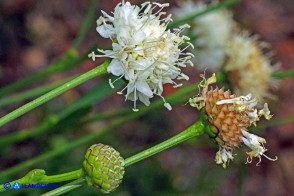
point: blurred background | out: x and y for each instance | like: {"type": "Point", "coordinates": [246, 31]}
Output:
{"type": "Point", "coordinates": [36, 34]}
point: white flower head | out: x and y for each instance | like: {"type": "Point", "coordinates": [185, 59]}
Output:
{"type": "Point", "coordinates": [212, 32]}
{"type": "Point", "coordinates": [144, 52]}
{"type": "Point", "coordinates": [249, 69]}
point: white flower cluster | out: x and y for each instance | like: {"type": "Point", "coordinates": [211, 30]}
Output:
{"type": "Point", "coordinates": [144, 52]}
{"type": "Point", "coordinates": [221, 43]}
{"type": "Point", "coordinates": [212, 32]}
{"type": "Point", "coordinates": [250, 70]}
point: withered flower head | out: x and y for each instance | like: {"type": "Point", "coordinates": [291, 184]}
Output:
{"type": "Point", "coordinates": [232, 116]}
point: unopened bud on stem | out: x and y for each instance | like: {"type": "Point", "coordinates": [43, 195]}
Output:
{"type": "Point", "coordinates": [104, 167]}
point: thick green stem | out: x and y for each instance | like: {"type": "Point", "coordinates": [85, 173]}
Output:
{"type": "Point", "coordinates": [63, 177]}
{"type": "Point", "coordinates": [97, 71]}
{"type": "Point", "coordinates": [39, 176]}
{"type": "Point", "coordinates": [180, 97]}
{"type": "Point", "coordinates": [192, 131]}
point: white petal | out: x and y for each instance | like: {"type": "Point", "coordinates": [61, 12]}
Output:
{"type": "Point", "coordinates": [106, 31]}
{"type": "Point", "coordinates": [160, 87]}
{"type": "Point", "coordinates": [116, 68]}
{"type": "Point", "coordinates": [144, 99]}
{"type": "Point", "coordinates": [110, 18]}
{"type": "Point", "coordinates": [132, 97]}
{"type": "Point", "coordinates": [246, 142]}
{"type": "Point", "coordinates": [138, 37]}
{"type": "Point", "coordinates": [144, 88]}
{"type": "Point", "coordinates": [130, 90]}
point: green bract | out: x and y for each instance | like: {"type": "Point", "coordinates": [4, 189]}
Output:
{"type": "Point", "coordinates": [104, 167]}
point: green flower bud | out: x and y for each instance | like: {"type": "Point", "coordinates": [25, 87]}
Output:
{"type": "Point", "coordinates": [104, 167]}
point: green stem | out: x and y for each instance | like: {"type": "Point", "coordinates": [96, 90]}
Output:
{"type": "Point", "coordinates": [284, 74]}
{"type": "Point", "coordinates": [30, 93]}
{"type": "Point", "coordinates": [95, 94]}
{"type": "Point", "coordinates": [179, 97]}
{"type": "Point", "coordinates": [195, 130]}
{"type": "Point", "coordinates": [211, 8]}
{"type": "Point", "coordinates": [106, 116]}
{"type": "Point", "coordinates": [39, 176]}
{"type": "Point", "coordinates": [97, 71]}
{"type": "Point", "coordinates": [86, 24]}
{"type": "Point", "coordinates": [63, 177]}
{"type": "Point", "coordinates": [70, 58]}
{"type": "Point", "coordinates": [54, 119]}
{"type": "Point", "coordinates": [192, 131]}
{"type": "Point", "coordinates": [21, 135]}
{"type": "Point", "coordinates": [66, 188]}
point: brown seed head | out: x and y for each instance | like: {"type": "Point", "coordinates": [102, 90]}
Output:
{"type": "Point", "coordinates": [228, 121]}
{"type": "Point", "coordinates": [231, 116]}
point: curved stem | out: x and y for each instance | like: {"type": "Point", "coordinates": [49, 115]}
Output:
{"type": "Point", "coordinates": [195, 130]}
{"type": "Point", "coordinates": [63, 177]}
{"type": "Point", "coordinates": [39, 176]}
{"type": "Point", "coordinates": [97, 71]}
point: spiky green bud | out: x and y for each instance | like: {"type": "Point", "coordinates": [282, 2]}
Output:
{"type": "Point", "coordinates": [104, 167]}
